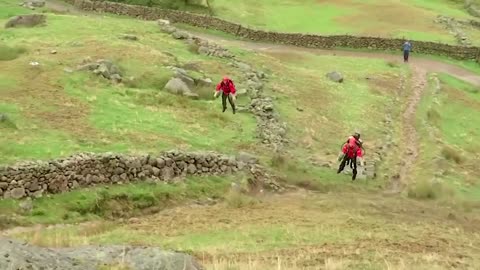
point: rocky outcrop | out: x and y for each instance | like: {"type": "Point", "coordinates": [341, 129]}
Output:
{"type": "Point", "coordinates": [20, 255]}
{"type": "Point", "coordinates": [29, 20]}
{"type": "Point", "coordinates": [302, 40]}
{"type": "Point", "coordinates": [102, 67]}
{"type": "Point", "coordinates": [32, 179]}
{"type": "Point", "coordinates": [33, 4]}
{"type": "Point", "coordinates": [455, 28]}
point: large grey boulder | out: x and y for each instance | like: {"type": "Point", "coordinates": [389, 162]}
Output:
{"type": "Point", "coordinates": [29, 20]}
{"type": "Point", "coordinates": [335, 76]}
{"type": "Point", "coordinates": [177, 86]}
{"type": "Point", "coordinates": [20, 255]}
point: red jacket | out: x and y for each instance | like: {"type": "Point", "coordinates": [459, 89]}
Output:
{"type": "Point", "coordinates": [352, 149]}
{"type": "Point", "coordinates": [227, 86]}
{"type": "Point", "coordinates": [352, 152]}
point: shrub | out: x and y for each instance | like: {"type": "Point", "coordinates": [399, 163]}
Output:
{"type": "Point", "coordinates": [10, 53]}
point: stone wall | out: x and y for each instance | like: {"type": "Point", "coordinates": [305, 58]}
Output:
{"type": "Point", "coordinates": [302, 40]}
{"type": "Point", "coordinates": [32, 179]}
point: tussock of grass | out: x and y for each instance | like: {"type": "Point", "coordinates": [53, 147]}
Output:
{"type": "Point", "coordinates": [452, 154]}
{"type": "Point", "coordinates": [434, 117]}
{"type": "Point", "coordinates": [236, 199]}
{"type": "Point", "coordinates": [393, 64]}
{"type": "Point", "coordinates": [424, 189]}
{"type": "Point", "coordinates": [8, 53]}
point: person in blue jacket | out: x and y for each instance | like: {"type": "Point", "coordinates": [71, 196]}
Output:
{"type": "Point", "coordinates": [407, 48]}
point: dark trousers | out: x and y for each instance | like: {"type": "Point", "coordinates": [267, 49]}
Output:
{"type": "Point", "coordinates": [405, 56]}
{"type": "Point", "coordinates": [353, 164]}
{"type": "Point", "coordinates": [230, 100]}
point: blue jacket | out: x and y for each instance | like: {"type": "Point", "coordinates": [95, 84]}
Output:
{"type": "Point", "coordinates": [407, 46]}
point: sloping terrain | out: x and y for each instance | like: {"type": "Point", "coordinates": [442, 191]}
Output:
{"type": "Point", "coordinates": [419, 127]}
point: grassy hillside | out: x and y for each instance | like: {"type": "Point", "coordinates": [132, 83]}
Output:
{"type": "Point", "coordinates": [59, 113]}
{"type": "Point", "coordinates": [448, 118]}
{"type": "Point", "coordinates": [330, 224]}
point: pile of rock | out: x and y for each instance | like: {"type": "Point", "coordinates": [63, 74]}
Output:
{"type": "Point", "coordinates": [32, 4]}
{"type": "Point", "coordinates": [102, 67]}
{"type": "Point", "coordinates": [33, 179]}
{"type": "Point", "coordinates": [202, 46]}
{"type": "Point", "coordinates": [455, 28]}
{"type": "Point", "coordinates": [270, 129]}
{"type": "Point", "coordinates": [20, 255]}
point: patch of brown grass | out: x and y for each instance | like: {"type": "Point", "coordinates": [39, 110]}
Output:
{"type": "Point", "coordinates": [452, 154]}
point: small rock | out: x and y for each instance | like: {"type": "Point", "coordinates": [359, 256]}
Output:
{"type": "Point", "coordinates": [191, 95]}
{"type": "Point", "coordinates": [17, 193]}
{"type": "Point", "coordinates": [204, 82]}
{"type": "Point", "coordinates": [181, 35]}
{"type": "Point", "coordinates": [299, 109]}
{"type": "Point", "coordinates": [335, 76]}
{"type": "Point", "coordinates": [53, 52]}
{"type": "Point", "coordinates": [163, 22]}
{"type": "Point", "coordinates": [177, 86]}
{"type": "Point", "coordinates": [116, 78]}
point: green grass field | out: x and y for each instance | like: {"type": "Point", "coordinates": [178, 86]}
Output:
{"type": "Point", "coordinates": [328, 223]}
{"type": "Point", "coordinates": [411, 19]}
{"type": "Point", "coordinates": [44, 101]}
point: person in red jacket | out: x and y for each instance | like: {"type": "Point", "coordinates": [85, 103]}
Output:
{"type": "Point", "coordinates": [351, 150]}
{"type": "Point", "coordinates": [228, 91]}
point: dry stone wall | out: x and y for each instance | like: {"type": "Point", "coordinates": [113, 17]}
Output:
{"type": "Point", "coordinates": [302, 40]}
{"type": "Point", "coordinates": [32, 179]}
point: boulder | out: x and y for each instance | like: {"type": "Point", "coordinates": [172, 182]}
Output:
{"type": "Point", "coordinates": [185, 78]}
{"type": "Point", "coordinates": [17, 193]}
{"type": "Point", "coordinates": [242, 92]}
{"type": "Point", "coordinates": [335, 76]}
{"type": "Point", "coordinates": [181, 35]}
{"type": "Point", "coordinates": [162, 22]}
{"type": "Point", "coordinates": [246, 158]}
{"type": "Point", "coordinates": [34, 3]}
{"type": "Point", "coordinates": [30, 20]}
{"type": "Point", "coordinates": [177, 86]}
{"type": "Point", "coordinates": [204, 82]}
{"type": "Point", "coordinates": [21, 255]}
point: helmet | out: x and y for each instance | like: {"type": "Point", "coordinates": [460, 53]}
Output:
{"type": "Point", "coordinates": [356, 135]}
